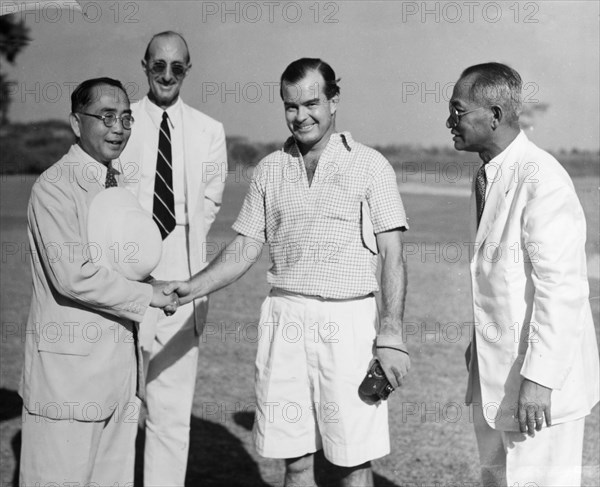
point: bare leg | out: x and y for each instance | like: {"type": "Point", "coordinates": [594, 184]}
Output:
{"type": "Point", "coordinates": [299, 472]}
{"type": "Point", "coordinates": [359, 476]}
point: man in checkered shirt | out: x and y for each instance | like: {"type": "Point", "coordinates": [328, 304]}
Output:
{"type": "Point", "coordinates": [327, 206]}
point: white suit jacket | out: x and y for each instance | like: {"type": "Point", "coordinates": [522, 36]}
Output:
{"type": "Point", "coordinates": [205, 159]}
{"type": "Point", "coordinates": [80, 360]}
{"type": "Point", "coordinates": [530, 290]}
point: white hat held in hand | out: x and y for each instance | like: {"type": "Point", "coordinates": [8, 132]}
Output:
{"type": "Point", "coordinates": [122, 235]}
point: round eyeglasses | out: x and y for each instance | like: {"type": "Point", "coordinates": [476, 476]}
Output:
{"type": "Point", "coordinates": [455, 115]}
{"type": "Point", "coordinates": [159, 67]}
{"type": "Point", "coordinates": [110, 119]}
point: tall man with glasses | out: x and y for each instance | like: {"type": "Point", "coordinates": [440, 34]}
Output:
{"type": "Point", "coordinates": [80, 369]}
{"type": "Point", "coordinates": [539, 366]}
{"type": "Point", "coordinates": [180, 159]}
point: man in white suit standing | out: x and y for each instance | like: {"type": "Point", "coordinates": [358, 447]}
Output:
{"type": "Point", "coordinates": [533, 358]}
{"type": "Point", "coordinates": [175, 163]}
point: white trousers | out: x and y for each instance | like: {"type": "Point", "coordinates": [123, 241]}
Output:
{"type": "Point", "coordinates": [79, 453]}
{"type": "Point", "coordinates": [171, 377]}
{"type": "Point", "coordinates": [551, 458]}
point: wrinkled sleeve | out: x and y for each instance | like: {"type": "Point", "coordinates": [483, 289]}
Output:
{"type": "Point", "coordinates": [54, 226]}
{"type": "Point", "coordinates": [554, 234]}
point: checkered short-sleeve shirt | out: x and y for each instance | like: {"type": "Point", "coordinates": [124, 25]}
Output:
{"type": "Point", "coordinates": [315, 233]}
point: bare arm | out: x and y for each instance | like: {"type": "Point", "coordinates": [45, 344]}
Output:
{"type": "Point", "coordinates": [231, 264]}
{"type": "Point", "coordinates": [391, 349]}
{"type": "Point", "coordinates": [393, 282]}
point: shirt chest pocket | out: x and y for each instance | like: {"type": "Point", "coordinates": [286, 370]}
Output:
{"type": "Point", "coordinates": [340, 203]}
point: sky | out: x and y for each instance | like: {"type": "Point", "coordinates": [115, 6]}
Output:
{"type": "Point", "coordinates": [397, 61]}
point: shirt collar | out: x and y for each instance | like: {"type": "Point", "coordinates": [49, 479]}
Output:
{"type": "Point", "coordinates": [338, 138]}
{"type": "Point", "coordinates": [156, 113]}
{"type": "Point", "coordinates": [492, 168]}
{"type": "Point", "coordinates": [521, 138]}
{"type": "Point", "coordinates": [89, 171]}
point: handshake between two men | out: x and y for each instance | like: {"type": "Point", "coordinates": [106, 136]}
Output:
{"type": "Point", "coordinates": [169, 295]}
{"type": "Point", "coordinates": [390, 350]}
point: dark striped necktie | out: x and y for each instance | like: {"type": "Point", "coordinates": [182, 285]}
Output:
{"type": "Point", "coordinates": [164, 201]}
{"type": "Point", "coordinates": [111, 181]}
{"type": "Point", "coordinates": [480, 188]}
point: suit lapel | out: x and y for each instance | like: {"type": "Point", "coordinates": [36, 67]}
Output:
{"type": "Point", "coordinates": [83, 175]}
{"type": "Point", "coordinates": [494, 205]}
{"type": "Point", "coordinates": [500, 187]}
{"type": "Point", "coordinates": [194, 140]}
{"type": "Point", "coordinates": [473, 207]}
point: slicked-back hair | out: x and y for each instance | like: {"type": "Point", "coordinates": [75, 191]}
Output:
{"type": "Point", "coordinates": [496, 84]}
{"type": "Point", "coordinates": [167, 33]}
{"type": "Point", "coordinates": [299, 69]}
{"type": "Point", "coordinates": [85, 94]}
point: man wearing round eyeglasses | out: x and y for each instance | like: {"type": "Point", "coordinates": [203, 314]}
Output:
{"type": "Point", "coordinates": [80, 369]}
{"type": "Point", "coordinates": [180, 161]}
{"type": "Point", "coordinates": [534, 378]}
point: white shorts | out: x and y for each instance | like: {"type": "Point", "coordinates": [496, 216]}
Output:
{"type": "Point", "coordinates": [312, 356]}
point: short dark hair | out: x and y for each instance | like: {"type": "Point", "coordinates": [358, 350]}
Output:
{"type": "Point", "coordinates": [496, 84]}
{"type": "Point", "coordinates": [299, 68]}
{"type": "Point", "coordinates": [167, 33]}
{"type": "Point", "coordinates": [83, 95]}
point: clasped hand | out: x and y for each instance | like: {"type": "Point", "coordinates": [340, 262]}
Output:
{"type": "Point", "coordinates": [170, 295]}
{"type": "Point", "coordinates": [167, 301]}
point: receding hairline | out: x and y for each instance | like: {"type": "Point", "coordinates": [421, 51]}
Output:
{"type": "Point", "coordinates": [494, 84]}
{"type": "Point", "coordinates": [467, 81]}
{"type": "Point", "coordinates": [495, 72]}
{"type": "Point", "coordinates": [169, 34]}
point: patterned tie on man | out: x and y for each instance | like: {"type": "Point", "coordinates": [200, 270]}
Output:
{"type": "Point", "coordinates": [164, 201]}
{"type": "Point", "coordinates": [111, 181]}
{"type": "Point", "coordinates": [480, 187]}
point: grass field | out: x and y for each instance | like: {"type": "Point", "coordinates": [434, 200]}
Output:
{"type": "Point", "coordinates": [432, 438]}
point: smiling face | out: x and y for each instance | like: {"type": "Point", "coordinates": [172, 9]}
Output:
{"type": "Point", "coordinates": [472, 132]}
{"type": "Point", "coordinates": [101, 142]}
{"type": "Point", "coordinates": [166, 68]}
{"type": "Point", "coordinates": [309, 114]}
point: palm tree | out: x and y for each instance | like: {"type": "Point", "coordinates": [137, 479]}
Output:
{"type": "Point", "coordinates": [13, 38]}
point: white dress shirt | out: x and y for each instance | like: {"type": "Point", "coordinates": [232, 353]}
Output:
{"type": "Point", "coordinates": [147, 177]}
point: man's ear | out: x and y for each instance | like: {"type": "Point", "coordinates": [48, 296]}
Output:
{"type": "Point", "coordinates": [498, 115]}
{"type": "Point", "coordinates": [74, 120]}
{"type": "Point", "coordinates": [333, 102]}
{"type": "Point", "coordinates": [145, 66]}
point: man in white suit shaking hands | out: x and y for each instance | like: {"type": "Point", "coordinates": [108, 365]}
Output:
{"type": "Point", "coordinates": [175, 162]}
{"type": "Point", "coordinates": [533, 358]}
